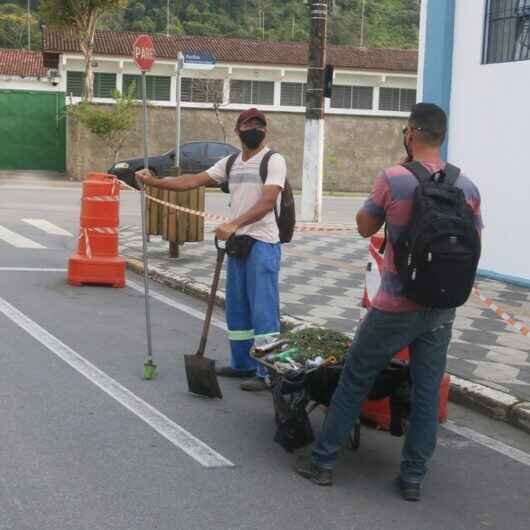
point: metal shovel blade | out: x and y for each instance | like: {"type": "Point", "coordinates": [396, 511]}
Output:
{"type": "Point", "coordinates": [202, 379]}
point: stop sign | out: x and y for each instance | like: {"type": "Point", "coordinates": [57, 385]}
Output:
{"type": "Point", "coordinates": [144, 52]}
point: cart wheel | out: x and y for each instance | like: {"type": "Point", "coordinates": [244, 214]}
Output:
{"type": "Point", "coordinates": [355, 437]}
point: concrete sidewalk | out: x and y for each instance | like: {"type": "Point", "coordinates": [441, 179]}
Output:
{"type": "Point", "coordinates": [322, 281]}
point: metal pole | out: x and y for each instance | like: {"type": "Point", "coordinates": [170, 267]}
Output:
{"type": "Point", "coordinates": [29, 25]}
{"type": "Point", "coordinates": [315, 109]}
{"type": "Point", "coordinates": [180, 64]}
{"type": "Point", "coordinates": [144, 238]}
{"type": "Point", "coordinates": [362, 22]}
{"type": "Point", "coordinates": [167, 14]}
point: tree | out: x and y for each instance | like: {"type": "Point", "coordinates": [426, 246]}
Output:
{"type": "Point", "coordinates": [110, 124]}
{"type": "Point", "coordinates": [14, 27]}
{"type": "Point", "coordinates": [81, 16]}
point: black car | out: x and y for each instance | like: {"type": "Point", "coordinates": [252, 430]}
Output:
{"type": "Point", "coordinates": [194, 158]}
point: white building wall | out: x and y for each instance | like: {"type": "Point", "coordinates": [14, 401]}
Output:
{"type": "Point", "coordinates": [489, 138]}
{"type": "Point", "coordinates": [227, 72]}
{"type": "Point", "coordinates": [20, 83]}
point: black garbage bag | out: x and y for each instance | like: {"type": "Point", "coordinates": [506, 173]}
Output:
{"type": "Point", "coordinates": [290, 399]}
{"type": "Point", "coordinates": [392, 382]}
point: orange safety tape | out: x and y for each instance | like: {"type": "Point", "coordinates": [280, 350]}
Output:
{"type": "Point", "coordinates": [501, 313]}
{"type": "Point", "coordinates": [307, 227]}
{"type": "Point", "coordinates": [99, 230]}
{"type": "Point", "coordinates": [103, 198]}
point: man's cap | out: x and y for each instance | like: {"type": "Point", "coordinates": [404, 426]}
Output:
{"type": "Point", "coordinates": [251, 114]}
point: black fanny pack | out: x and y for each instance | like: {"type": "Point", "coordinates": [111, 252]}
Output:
{"type": "Point", "coordinates": [239, 246]}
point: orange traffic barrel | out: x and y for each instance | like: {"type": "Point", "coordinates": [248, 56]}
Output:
{"type": "Point", "coordinates": [96, 260]}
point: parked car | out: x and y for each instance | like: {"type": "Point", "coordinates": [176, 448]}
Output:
{"type": "Point", "coordinates": [194, 158]}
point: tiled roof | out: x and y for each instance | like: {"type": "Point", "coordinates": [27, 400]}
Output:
{"type": "Point", "coordinates": [244, 51]}
{"type": "Point", "coordinates": [21, 63]}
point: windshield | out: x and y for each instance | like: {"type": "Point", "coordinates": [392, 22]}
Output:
{"type": "Point", "coordinates": [172, 152]}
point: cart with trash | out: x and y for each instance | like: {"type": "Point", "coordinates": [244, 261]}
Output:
{"type": "Point", "coordinates": [304, 368]}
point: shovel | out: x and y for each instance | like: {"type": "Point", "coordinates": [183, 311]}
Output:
{"type": "Point", "coordinates": [200, 371]}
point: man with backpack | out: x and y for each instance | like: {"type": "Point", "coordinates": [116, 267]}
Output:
{"type": "Point", "coordinates": [262, 217]}
{"type": "Point", "coordinates": [433, 224]}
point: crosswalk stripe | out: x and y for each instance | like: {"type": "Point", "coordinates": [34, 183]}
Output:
{"type": "Point", "coordinates": [48, 227]}
{"type": "Point", "coordinates": [17, 240]}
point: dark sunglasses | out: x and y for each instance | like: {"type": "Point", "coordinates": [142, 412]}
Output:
{"type": "Point", "coordinates": [406, 129]}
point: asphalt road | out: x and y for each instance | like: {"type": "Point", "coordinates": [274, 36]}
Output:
{"type": "Point", "coordinates": [87, 444]}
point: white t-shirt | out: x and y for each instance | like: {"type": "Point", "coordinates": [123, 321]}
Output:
{"type": "Point", "coordinates": [246, 189]}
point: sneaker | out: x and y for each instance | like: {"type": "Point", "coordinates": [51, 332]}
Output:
{"type": "Point", "coordinates": [410, 491]}
{"type": "Point", "coordinates": [256, 384]}
{"type": "Point", "coordinates": [305, 467]}
{"type": "Point", "coordinates": [228, 371]}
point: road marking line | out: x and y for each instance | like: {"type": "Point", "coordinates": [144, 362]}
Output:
{"type": "Point", "coordinates": [491, 443]}
{"type": "Point", "coordinates": [38, 188]}
{"type": "Point", "coordinates": [48, 227]}
{"type": "Point", "coordinates": [177, 435]}
{"type": "Point", "coordinates": [181, 307]}
{"type": "Point", "coordinates": [17, 240]}
{"type": "Point", "coordinates": [30, 269]}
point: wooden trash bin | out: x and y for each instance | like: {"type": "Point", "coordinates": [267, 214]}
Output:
{"type": "Point", "coordinates": [173, 226]}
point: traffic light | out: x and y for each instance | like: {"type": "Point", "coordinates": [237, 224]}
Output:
{"type": "Point", "coordinates": [328, 80]}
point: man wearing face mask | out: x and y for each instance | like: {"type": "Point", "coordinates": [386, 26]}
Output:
{"type": "Point", "coordinates": [252, 295]}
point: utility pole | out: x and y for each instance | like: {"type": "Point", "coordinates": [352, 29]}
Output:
{"type": "Point", "coordinates": [167, 19]}
{"type": "Point", "coordinates": [29, 24]}
{"type": "Point", "coordinates": [314, 123]}
{"type": "Point", "coordinates": [363, 6]}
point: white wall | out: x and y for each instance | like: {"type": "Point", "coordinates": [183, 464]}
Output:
{"type": "Point", "coordinates": [489, 138]}
{"type": "Point", "coordinates": [19, 83]}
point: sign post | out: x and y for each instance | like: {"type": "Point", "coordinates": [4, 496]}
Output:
{"type": "Point", "coordinates": [197, 61]}
{"type": "Point", "coordinates": [144, 56]}
{"type": "Point", "coordinates": [180, 66]}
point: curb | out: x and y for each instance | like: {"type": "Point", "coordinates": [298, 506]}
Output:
{"type": "Point", "coordinates": [480, 398]}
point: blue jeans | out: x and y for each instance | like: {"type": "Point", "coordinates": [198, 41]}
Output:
{"type": "Point", "coordinates": [379, 337]}
{"type": "Point", "coordinates": [252, 302]}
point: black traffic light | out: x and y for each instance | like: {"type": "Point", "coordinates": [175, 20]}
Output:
{"type": "Point", "coordinates": [328, 80]}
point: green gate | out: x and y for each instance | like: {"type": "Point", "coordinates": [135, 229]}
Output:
{"type": "Point", "coordinates": [33, 130]}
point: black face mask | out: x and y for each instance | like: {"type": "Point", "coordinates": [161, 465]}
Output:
{"type": "Point", "coordinates": [408, 149]}
{"type": "Point", "coordinates": [252, 138]}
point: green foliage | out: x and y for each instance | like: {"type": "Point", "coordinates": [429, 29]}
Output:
{"type": "Point", "coordinates": [76, 14]}
{"type": "Point", "coordinates": [14, 27]}
{"type": "Point", "coordinates": [111, 124]}
{"type": "Point", "coordinates": [315, 342]}
{"type": "Point", "coordinates": [388, 23]}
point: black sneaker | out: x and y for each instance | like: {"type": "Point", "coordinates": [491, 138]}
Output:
{"type": "Point", "coordinates": [228, 371]}
{"type": "Point", "coordinates": [256, 384]}
{"type": "Point", "coordinates": [410, 491]}
{"type": "Point", "coordinates": [318, 475]}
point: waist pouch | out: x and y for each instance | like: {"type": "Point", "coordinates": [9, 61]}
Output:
{"type": "Point", "coordinates": [239, 246]}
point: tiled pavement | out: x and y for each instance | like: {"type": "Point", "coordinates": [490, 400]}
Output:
{"type": "Point", "coordinates": [322, 280]}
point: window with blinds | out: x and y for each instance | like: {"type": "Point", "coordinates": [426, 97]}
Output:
{"type": "Point", "coordinates": [352, 97]}
{"type": "Point", "coordinates": [201, 90]}
{"type": "Point", "coordinates": [507, 31]}
{"type": "Point", "coordinates": [158, 87]}
{"type": "Point", "coordinates": [252, 92]}
{"type": "Point", "coordinates": [293, 95]}
{"type": "Point", "coordinates": [397, 99]}
{"type": "Point", "coordinates": [104, 85]}
{"type": "Point", "coordinates": [75, 84]}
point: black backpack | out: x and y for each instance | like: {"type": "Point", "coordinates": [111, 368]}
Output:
{"type": "Point", "coordinates": [437, 255]}
{"type": "Point", "coordinates": [286, 219]}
